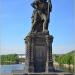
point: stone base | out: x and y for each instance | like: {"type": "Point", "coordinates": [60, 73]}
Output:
{"type": "Point", "coordinates": [39, 52]}
{"type": "Point", "coordinates": [51, 73]}
{"type": "Point", "coordinates": [56, 72]}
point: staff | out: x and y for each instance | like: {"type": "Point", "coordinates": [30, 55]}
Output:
{"type": "Point", "coordinates": [49, 9]}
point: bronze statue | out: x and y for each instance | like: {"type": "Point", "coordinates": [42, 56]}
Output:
{"type": "Point", "coordinates": [41, 13]}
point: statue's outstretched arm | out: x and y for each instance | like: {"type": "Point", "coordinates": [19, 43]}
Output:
{"type": "Point", "coordinates": [34, 5]}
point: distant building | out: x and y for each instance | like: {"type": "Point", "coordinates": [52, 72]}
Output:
{"type": "Point", "coordinates": [22, 58]}
{"type": "Point", "coordinates": [21, 55]}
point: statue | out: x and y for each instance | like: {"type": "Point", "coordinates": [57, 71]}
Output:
{"type": "Point", "coordinates": [40, 16]}
{"type": "Point", "coordinates": [39, 42]}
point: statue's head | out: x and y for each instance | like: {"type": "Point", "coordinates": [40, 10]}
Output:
{"type": "Point", "coordinates": [42, 0]}
{"type": "Point", "coordinates": [45, 0]}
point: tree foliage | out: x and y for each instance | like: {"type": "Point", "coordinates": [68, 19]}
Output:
{"type": "Point", "coordinates": [9, 59]}
{"type": "Point", "coordinates": [65, 58]}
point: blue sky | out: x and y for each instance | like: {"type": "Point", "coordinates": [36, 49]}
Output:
{"type": "Point", "coordinates": [15, 21]}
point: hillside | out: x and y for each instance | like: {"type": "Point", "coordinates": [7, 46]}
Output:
{"type": "Point", "coordinates": [67, 58]}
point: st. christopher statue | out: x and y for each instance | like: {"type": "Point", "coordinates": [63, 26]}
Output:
{"type": "Point", "coordinates": [41, 15]}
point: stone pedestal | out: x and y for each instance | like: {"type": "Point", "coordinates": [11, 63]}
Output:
{"type": "Point", "coordinates": [39, 52]}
